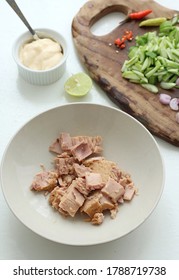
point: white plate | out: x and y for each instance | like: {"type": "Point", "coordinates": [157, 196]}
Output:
{"type": "Point", "coordinates": [126, 142]}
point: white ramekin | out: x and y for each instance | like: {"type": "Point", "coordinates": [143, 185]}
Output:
{"type": "Point", "coordinates": [41, 77]}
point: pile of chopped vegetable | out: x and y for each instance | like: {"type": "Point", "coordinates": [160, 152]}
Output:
{"type": "Point", "coordinates": [154, 60]}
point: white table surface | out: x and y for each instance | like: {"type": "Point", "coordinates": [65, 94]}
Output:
{"type": "Point", "coordinates": [158, 237]}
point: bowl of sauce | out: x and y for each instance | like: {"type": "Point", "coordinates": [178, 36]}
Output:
{"type": "Point", "coordinates": [42, 60]}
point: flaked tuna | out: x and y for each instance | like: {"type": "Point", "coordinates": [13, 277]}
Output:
{"type": "Point", "coordinates": [45, 181]}
{"type": "Point", "coordinates": [83, 180]}
{"type": "Point", "coordinates": [104, 167]}
{"type": "Point", "coordinates": [97, 219]}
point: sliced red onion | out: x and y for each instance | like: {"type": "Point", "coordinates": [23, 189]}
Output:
{"type": "Point", "coordinates": [174, 102]}
{"type": "Point", "coordinates": [165, 98]}
{"type": "Point", "coordinates": [177, 117]}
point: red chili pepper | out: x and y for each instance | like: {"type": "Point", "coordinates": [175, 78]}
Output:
{"type": "Point", "coordinates": [129, 35]}
{"type": "Point", "coordinates": [122, 46]}
{"type": "Point", "coordinates": [140, 14]}
{"type": "Point", "coordinates": [120, 43]}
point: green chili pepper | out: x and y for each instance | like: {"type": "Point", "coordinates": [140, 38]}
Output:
{"type": "Point", "coordinates": [152, 21]}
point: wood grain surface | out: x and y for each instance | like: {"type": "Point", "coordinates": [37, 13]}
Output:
{"type": "Point", "coordinates": [104, 64]}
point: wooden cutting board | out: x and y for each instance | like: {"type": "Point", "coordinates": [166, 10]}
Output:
{"type": "Point", "coordinates": [104, 64]}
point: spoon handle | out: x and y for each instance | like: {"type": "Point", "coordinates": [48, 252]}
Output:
{"type": "Point", "coordinates": [15, 7]}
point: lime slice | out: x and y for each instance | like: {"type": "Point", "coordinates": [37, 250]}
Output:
{"type": "Point", "coordinates": [78, 84]}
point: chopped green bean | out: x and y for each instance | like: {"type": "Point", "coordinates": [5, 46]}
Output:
{"type": "Point", "coordinates": [150, 87]}
{"type": "Point", "coordinates": [154, 60]}
{"type": "Point", "coordinates": [167, 85]}
{"type": "Point", "coordinates": [130, 75]}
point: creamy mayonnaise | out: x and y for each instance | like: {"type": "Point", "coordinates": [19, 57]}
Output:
{"type": "Point", "coordinates": [41, 54]}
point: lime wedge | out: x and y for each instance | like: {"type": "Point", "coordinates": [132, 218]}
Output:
{"type": "Point", "coordinates": [78, 84]}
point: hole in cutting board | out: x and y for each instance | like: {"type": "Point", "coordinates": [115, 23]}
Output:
{"type": "Point", "coordinates": [107, 23]}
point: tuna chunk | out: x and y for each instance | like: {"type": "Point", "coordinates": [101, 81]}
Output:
{"type": "Point", "coordinates": [114, 211]}
{"type": "Point", "coordinates": [81, 186]}
{"type": "Point", "coordinates": [55, 197]}
{"type": "Point", "coordinates": [80, 169]}
{"type": "Point", "coordinates": [66, 180]}
{"type": "Point", "coordinates": [65, 141]}
{"type": "Point", "coordinates": [113, 190]}
{"type": "Point", "coordinates": [81, 151]}
{"type": "Point", "coordinates": [91, 206]}
{"type": "Point", "coordinates": [64, 166]}
{"type": "Point", "coordinates": [106, 203]}
{"type": "Point", "coordinates": [93, 181]}
{"type": "Point", "coordinates": [72, 200]}
{"type": "Point", "coordinates": [94, 142]}
{"type": "Point", "coordinates": [44, 181]}
{"type": "Point", "coordinates": [55, 147]}
{"type": "Point", "coordinates": [97, 219]}
{"type": "Point", "coordinates": [125, 179]}
{"type": "Point", "coordinates": [129, 193]}
{"type": "Point", "coordinates": [96, 203]}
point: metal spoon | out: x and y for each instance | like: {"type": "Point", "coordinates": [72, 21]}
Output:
{"type": "Point", "coordinates": [15, 7]}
